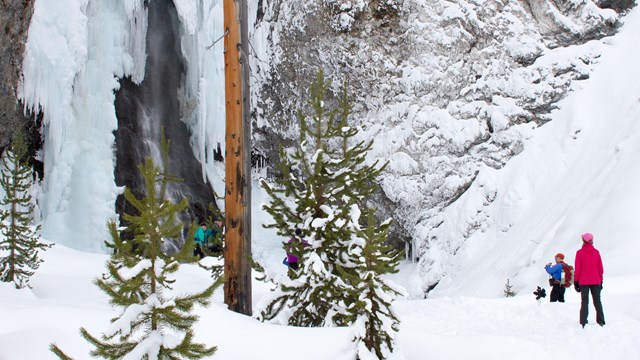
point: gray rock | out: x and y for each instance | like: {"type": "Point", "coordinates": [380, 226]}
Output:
{"type": "Point", "coordinates": [14, 17]}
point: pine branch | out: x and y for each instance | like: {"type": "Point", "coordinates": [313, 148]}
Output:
{"type": "Point", "coordinates": [59, 353]}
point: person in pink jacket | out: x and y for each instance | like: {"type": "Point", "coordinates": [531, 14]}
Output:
{"type": "Point", "coordinates": [588, 278]}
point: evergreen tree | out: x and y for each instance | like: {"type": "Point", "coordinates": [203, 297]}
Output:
{"type": "Point", "coordinates": [375, 322]}
{"type": "Point", "coordinates": [508, 290]}
{"type": "Point", "coordinates": [153, 323]}
{"type": "Point", "coordinates": [20, 244]}
{"type": "Point", "coordinates": [321, 180]}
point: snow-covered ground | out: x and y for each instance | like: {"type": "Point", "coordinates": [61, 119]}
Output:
{"type": "Point", "coordinates": [63, 299]}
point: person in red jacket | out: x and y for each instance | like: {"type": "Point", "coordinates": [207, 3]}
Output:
{"type": "Point", "coordinates": [588, 278]}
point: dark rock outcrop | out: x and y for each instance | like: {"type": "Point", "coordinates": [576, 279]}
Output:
{"type": "Point", "coordinates": [15, 16]}
{"type": "Point", "coordinates": [144, 110]}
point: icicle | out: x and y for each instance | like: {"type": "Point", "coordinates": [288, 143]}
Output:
{"type": "Point", "coordinates": [136, 44]}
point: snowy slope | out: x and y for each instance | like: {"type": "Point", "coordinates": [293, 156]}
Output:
{"type": "Point", "coordinates": [577, 174]}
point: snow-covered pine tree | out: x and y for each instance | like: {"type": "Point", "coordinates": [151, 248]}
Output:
{"type": "Point", "coordinates": [375, 323]}
{"type": "Point", "coordinates": [19, 245]}
{"type": "Point", "coordinates": [154, 322]}
{"type": "Point", "coordinates": [320, 181]}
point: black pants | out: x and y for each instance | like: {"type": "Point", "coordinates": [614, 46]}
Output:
{"type": "Point", "coordinates": [215, 249]}
{"type": "Point", "coordinates": [584, 308]}
{"type": "Point", "coordinates": [198, 251]}
{"type": "Point", "coordinates": [557, 293]}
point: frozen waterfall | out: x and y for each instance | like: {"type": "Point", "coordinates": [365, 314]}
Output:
{"type": "Point", "coordinates": [79, 55]}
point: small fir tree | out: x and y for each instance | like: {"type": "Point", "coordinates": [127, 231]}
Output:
{"type": "Point", "coordinates": [508, 290]}
{"type": "Point", "coordinates": [20, 243]}
{"type": "Point", "coordinates": [375, 322]}
{"type": "Point", "coordinates": [321, 180]}
{"type": "Point", "coordinates": [154, 322]}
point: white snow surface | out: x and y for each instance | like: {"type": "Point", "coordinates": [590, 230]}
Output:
{"type": "Point", "coordinates": [63, 299]}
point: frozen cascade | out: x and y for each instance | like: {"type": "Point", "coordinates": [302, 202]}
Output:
{"type": "Point", "coordinates": [72, 63]}
{"type": "Point", "coordinates": [201, 96]}
{"type": "Point", "coordinates": [144, 110]}
{"type": "Point", "coordinates": [83, 59]}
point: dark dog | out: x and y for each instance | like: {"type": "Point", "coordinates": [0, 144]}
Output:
{"type": "Point", "coordinates": [540, 293]}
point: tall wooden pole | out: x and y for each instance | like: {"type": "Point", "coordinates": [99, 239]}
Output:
{"type": "Point", "coordinates": [237, 270]}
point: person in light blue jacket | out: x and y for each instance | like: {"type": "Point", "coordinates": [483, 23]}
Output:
{"type": "Point", "coordinates": [557, 291]}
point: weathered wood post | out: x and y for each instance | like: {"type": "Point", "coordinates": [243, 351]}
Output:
{"type": "Point", "coordinates": [237, 270]}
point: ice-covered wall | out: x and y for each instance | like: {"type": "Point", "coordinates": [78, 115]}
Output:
{"type": "Point", "coordinates": [202, 97]}
{"type": "Point", "coordinates": [77, 51]}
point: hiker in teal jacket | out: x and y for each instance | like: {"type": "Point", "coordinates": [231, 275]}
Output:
{"type": "Point", "coordinates": [557, 291]}
{"type": "Point", "coordinates": [201, 239]}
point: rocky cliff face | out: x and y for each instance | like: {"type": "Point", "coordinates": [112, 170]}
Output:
{"type": "Point", "coordinates": [15, 16]}
{"type": "Point", "coordinates": [444, 87]}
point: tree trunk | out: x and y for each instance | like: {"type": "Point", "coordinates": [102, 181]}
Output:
{"type": "Point", "coordinates": [237, 272]}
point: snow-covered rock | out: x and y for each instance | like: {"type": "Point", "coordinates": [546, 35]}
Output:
{"type": "Point", "coordinates": [444, 88]}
